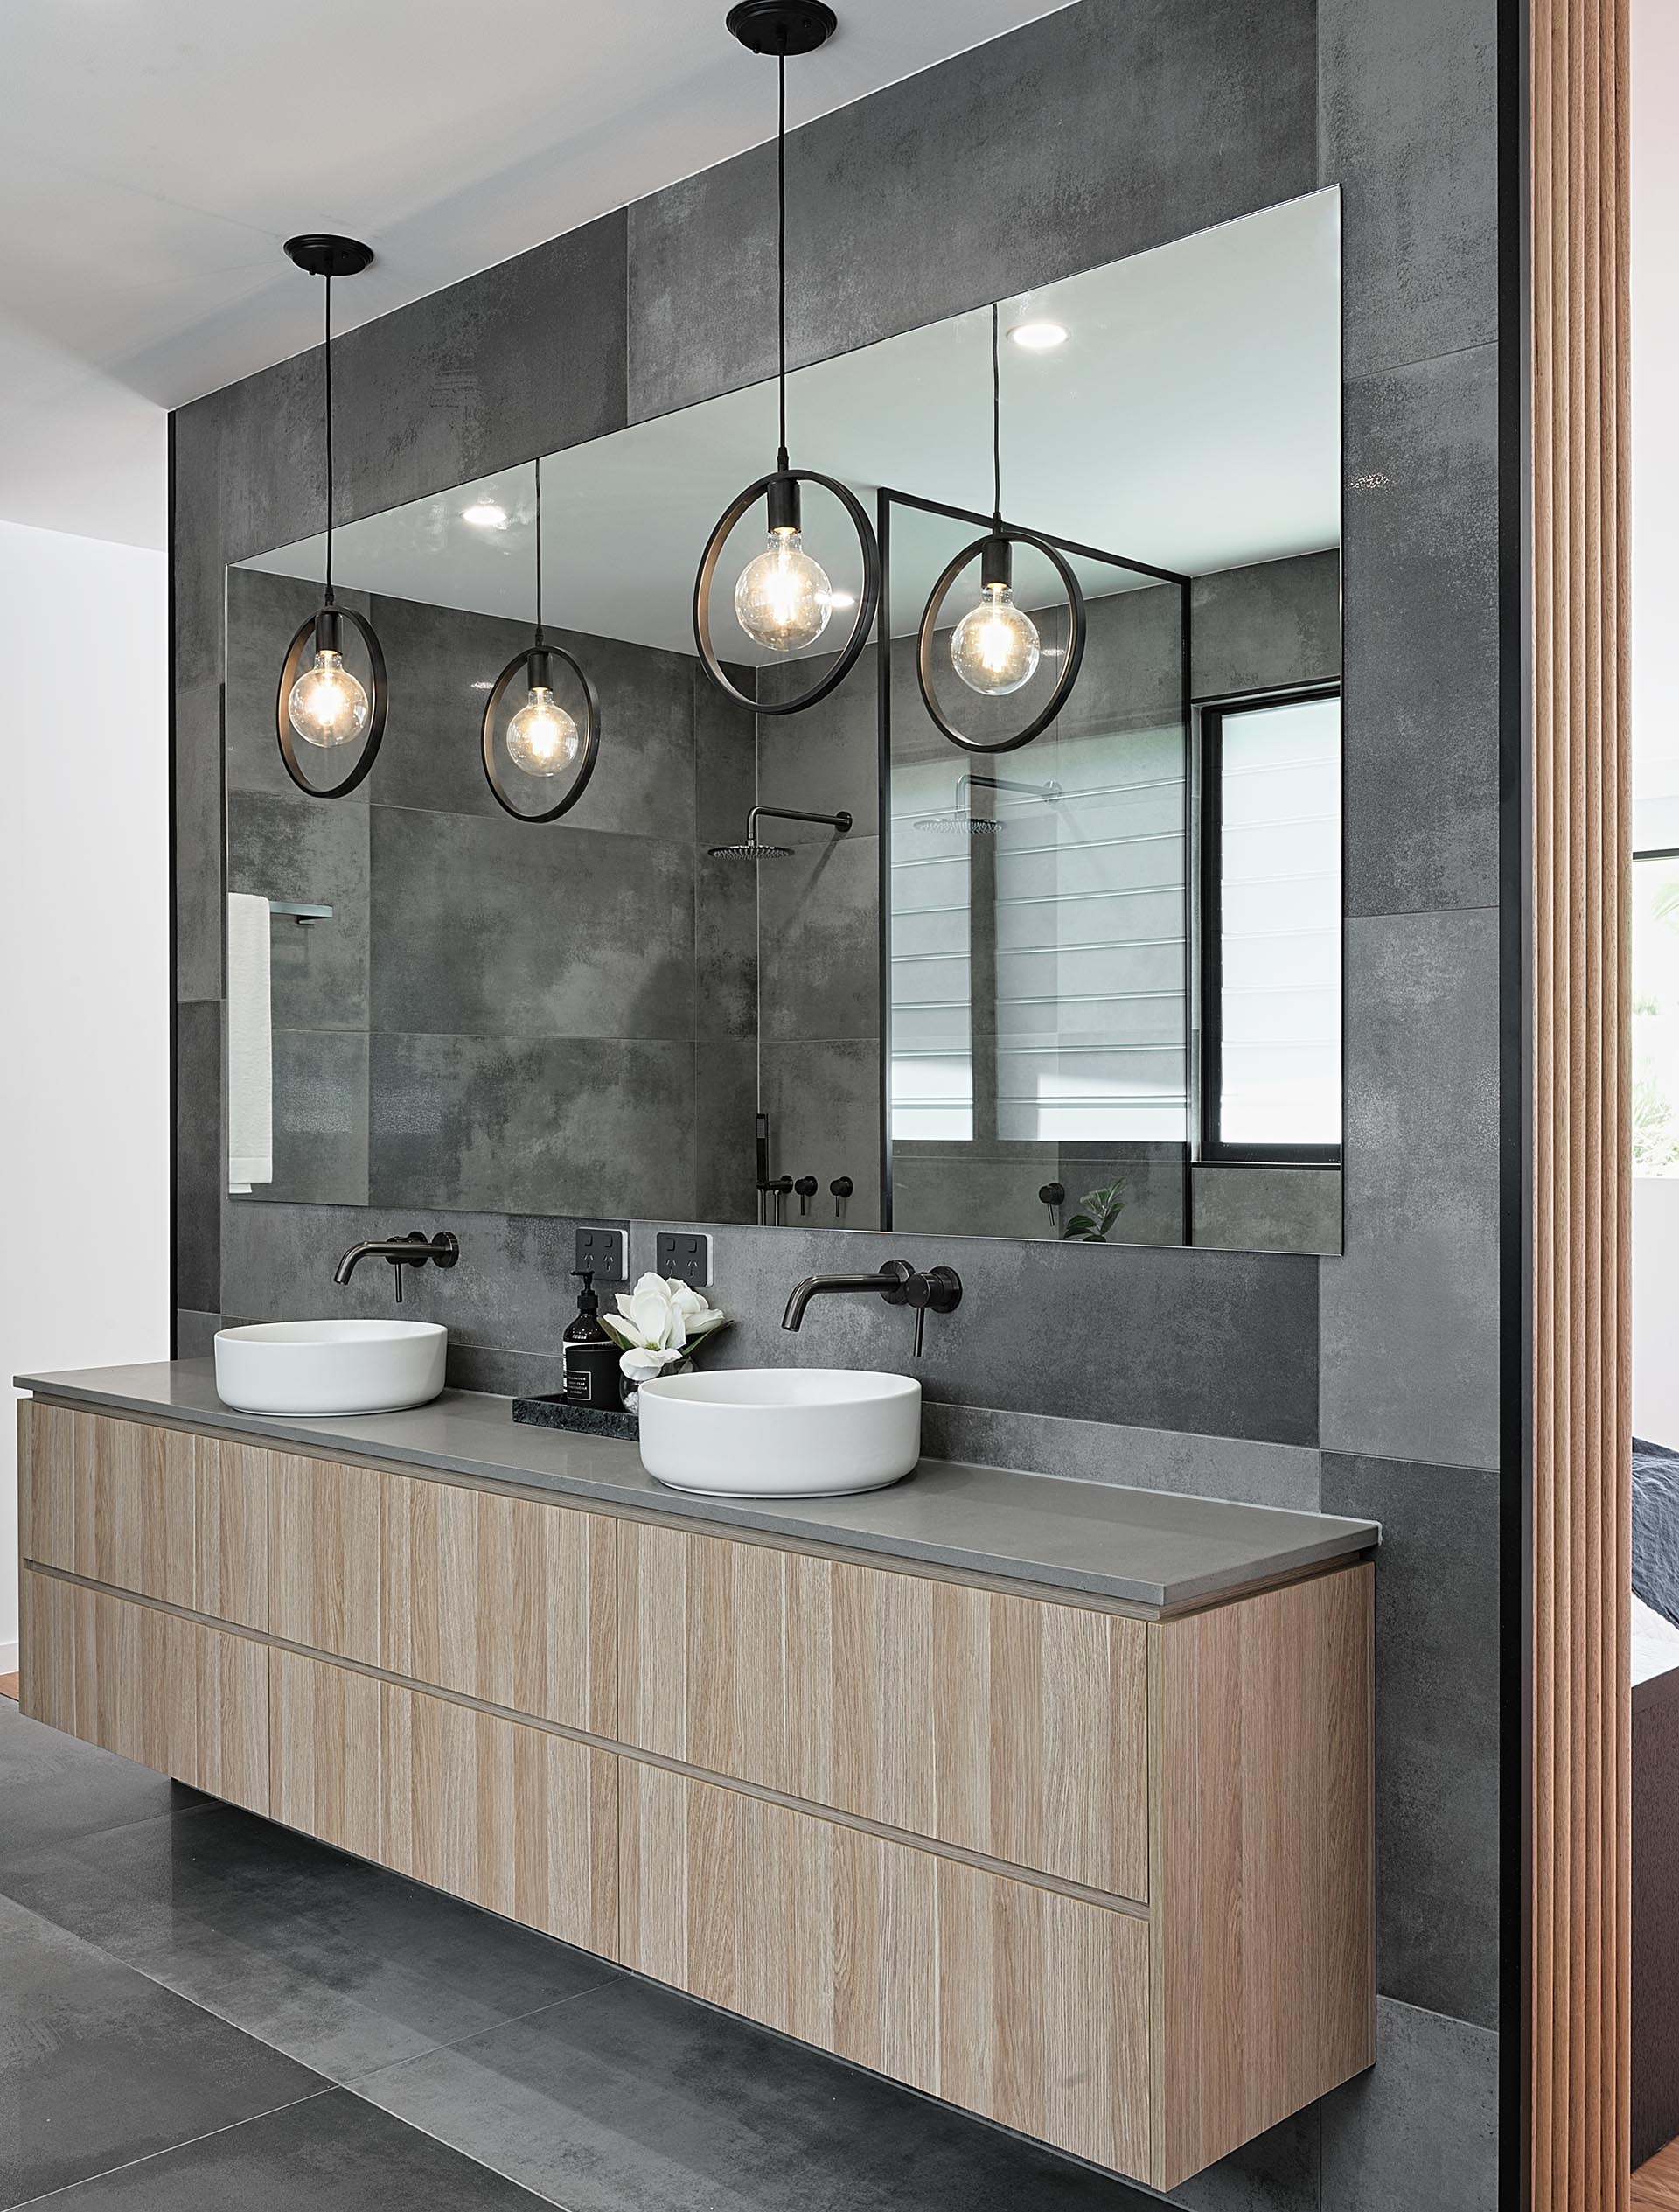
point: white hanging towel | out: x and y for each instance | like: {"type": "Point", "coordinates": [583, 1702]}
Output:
{"type": "Point", "coordinates": [250, 1045]}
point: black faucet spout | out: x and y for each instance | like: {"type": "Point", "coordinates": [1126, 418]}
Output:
{"type": "Point", "coordinates": [411, 1251]}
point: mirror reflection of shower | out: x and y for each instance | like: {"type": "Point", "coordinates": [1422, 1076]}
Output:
{"type": "Point", "coordinates": [962, 821]}
{"type": "Point", "coordinates": [751, 849]}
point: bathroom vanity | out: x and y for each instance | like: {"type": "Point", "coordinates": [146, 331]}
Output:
{"type": "Point", "coordinates": [1049, 1798]}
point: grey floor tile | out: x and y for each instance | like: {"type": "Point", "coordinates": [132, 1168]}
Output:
{"type": "Point", "coordinates": [340, 1964]}
{"type": "Point", "coordinates": [54, 1789]}
{"type": "Point", "coordinates": [331, 2154]}
{"type": "Point", "coordinates": [635, 2099]}
{"type": "Point", "coordinates": [99, 2065]}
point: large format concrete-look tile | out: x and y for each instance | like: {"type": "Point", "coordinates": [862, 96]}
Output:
{"type": "Point", "coordinates": [1408, 97]}
{"type": "Point", "coordinates": [441, 659]}
{"type": "Point", "coordinates": [1410, 1308]}
{"type": "Point", "coordinates": [283, 846]}
{"type": "Point", "coordinates": [511, 1290]}
{"type": "Point", "coordinates": [1421, 683]}
{"type": "Point", "coordinates": [333, 2154]}
{"type": "Point", "coordinates": [819, 951]}
{"type": "Point", "coordinates": [633, 2097]}
{"type": "Point", "coordinates": [200, 1166]}
{"type": "Point", "coordinates": [336, 1963]}
{"type": "Point", "coordinates": [954, 192]}
{"type": "Point", "coordinates": [484, 927]}
{"type": "Point", "coordinates": [1215, 1343]}
{"type": "Point", "coordinates": [1421, 2127]}
{"type": "Point", "coordinates": [1269, 623]}
{"type": "Point", "coordinates": [54, 1789]}
{"type": "Point", "coordinates": [1278, 1474]}
{"type": "Point", "coordinates": [99, 2065]}
{"type": "Point", "coordinates": [519, 359]}
{"type": "Point", "coordinates": [1437, 1727]}
{"type": "Point", "coordinates": [532, 1124]}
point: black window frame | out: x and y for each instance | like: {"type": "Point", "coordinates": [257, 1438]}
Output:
{"type": "Point", "coordinates": [1210, 1146]}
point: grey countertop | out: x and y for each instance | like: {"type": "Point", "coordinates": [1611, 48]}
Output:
{"type": "Point", "coordinates": [1148, 1547]}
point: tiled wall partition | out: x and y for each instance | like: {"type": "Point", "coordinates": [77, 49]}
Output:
{"type": "Point", "coordinates": [1368, 1381]}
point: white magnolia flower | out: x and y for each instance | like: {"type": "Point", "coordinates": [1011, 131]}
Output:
{"type": "Point", "coordinates": [658, 1324]}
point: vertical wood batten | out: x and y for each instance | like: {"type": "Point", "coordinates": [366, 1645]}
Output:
{"type": "Point", "coordinates": [1580, 1862]}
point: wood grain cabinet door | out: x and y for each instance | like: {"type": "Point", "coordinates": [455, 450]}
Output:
{"type": "Point", "coordinates": [190, 1700]}
{"type": "Point", "coordinates": [1007, 1725]}
{"type": "Point", "coordinates": [159, 1512]}
{"type": "Point", "coordinates": [1021, 2003]}
{"type": "Point", "coordinates": [496, 1597]}
{"type": "Point", "coordinates": [512, 1817]}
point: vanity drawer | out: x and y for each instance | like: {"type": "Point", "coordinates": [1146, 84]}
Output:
{"type": "Point", "coordinates": [190, 1700]}
{"type": "Point", "coordinates": [499, 1598]}
{"type": "Point", "coordinates": [1018, 2002]}
{"type": "Point", "coordinates": [512, 1817]}
{"type": "Point", "coordinates": [1002, 1725]}
{"type": "Point", "coordinates": [159, 1512]}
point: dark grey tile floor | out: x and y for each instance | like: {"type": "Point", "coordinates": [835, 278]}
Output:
{"type": "Point", "coordinates": [200, 2012]}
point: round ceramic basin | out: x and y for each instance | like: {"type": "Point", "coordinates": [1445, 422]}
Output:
{"type": "Point", "coordinates": [330, 1366]}
{"type": "Point", "coordinates": [776, 1432]}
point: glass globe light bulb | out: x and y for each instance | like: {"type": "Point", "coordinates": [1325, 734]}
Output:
{"type": "Point", "coordinates": [994, 647]}
{"type": "Point", "coordinates": [326, 706]}
{"type": "Point", "coordinates": [784, 599]}
{"type": "Point", "coordinates": [542, 737]}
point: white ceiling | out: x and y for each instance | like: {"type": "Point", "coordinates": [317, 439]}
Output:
{"type": "Point", "coordinates": [156, 152]}
{"type": "Point", "coordinates": [1192, 420]}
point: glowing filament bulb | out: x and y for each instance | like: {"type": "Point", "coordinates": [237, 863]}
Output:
{"type": "Point", "coordinates": [784, 599]}
{"type": "Point", "coordinates": [994, 647]}
{"type": "Point", "coordinates": [326, 705]}
{"type": "Point", "coordinates": [542, 737]}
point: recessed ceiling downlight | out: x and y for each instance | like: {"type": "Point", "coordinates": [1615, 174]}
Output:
{"type": "Point", "coordinates": [1039, 338]}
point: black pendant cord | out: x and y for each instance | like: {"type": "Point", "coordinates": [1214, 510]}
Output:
{"type": "Point", "coordinates": [996, 428]}
{"type": "Point", "coordinates": [327, 351]}
{"type": "Point", "coordinates": [539, 550]}
{"type": "Point", "coordinates": [781, 247]}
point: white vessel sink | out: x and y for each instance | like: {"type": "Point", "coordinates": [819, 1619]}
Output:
{"type": "Point", "coordinates": [330, 1366]}
{"type": "Point", "coordinates": [780, 1432]}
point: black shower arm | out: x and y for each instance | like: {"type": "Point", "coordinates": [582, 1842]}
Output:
{"type": "Point", "coordinates": [841, 822]}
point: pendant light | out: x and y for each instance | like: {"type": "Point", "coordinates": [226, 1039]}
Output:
{"type": "Point", "coordinates": [542, 738]}
{"type": "Point", "coordinates": [994, 648]}
{"type": "Point", "coordinates": [320, 702]}
{"type": "Point", "coordinates": [782, 600]}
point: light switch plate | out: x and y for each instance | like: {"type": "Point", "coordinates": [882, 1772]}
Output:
{"type": "Point", "coordinates": [602, 1250]}
{"type": "Point", "coordinates": [684, 1254]}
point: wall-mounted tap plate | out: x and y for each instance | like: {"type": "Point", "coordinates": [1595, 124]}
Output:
{"type": "Point", "coordinates": [603, 1251]}
{"type": "Point", "coordinates": [685, 1254]}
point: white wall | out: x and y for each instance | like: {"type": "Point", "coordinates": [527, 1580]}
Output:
{"type": "Point", "coordinates": [84, 969]}
{"type": "Point", "coordinates": [1655, 637]}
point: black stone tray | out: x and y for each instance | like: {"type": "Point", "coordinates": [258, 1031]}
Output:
{"type": "Point", "coordinates": [558, 1412]}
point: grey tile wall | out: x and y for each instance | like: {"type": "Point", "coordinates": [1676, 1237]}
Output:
{"type": "Point", "coordinates": [1419, 2132]}
{"type": "Point", "coordinates": [1243, 1209]}
{"type": "Point", "coordinates": [1435, 1726]}
{"type": "Point", "coordinates": [1271, 624]}
{"type": "Point", "coordinates": [1215, 1343]}
{"type": "Point", "coordinates": [1410, 1353]}
{"type": "Point", "coordinates": [933, 196]}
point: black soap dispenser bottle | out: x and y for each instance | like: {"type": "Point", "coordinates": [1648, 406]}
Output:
{"type": "Point", "coordinates": [589, 1356]}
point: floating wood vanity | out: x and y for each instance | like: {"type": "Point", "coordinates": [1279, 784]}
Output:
{"type": "Point", "coordinates": [1096, 1867]}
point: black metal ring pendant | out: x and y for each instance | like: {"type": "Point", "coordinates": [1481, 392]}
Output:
{"type": "Point", "coordinates": [591, 734]}
{"type": "Point", "coordinates": [1064, 682]}
{"type": "Point", "coordinates": [293, 667]}
{"type": "Point", "coordinates": [868, 599]}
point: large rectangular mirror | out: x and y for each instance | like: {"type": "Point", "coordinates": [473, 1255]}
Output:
{"type": "Point", "coordinates": [1085, 988]}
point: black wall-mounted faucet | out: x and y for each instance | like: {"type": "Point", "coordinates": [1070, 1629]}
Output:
{"type": "Point", "coordinates": [937, 1290]}
{"type": "Point", "coordinates": [411, 1251]}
